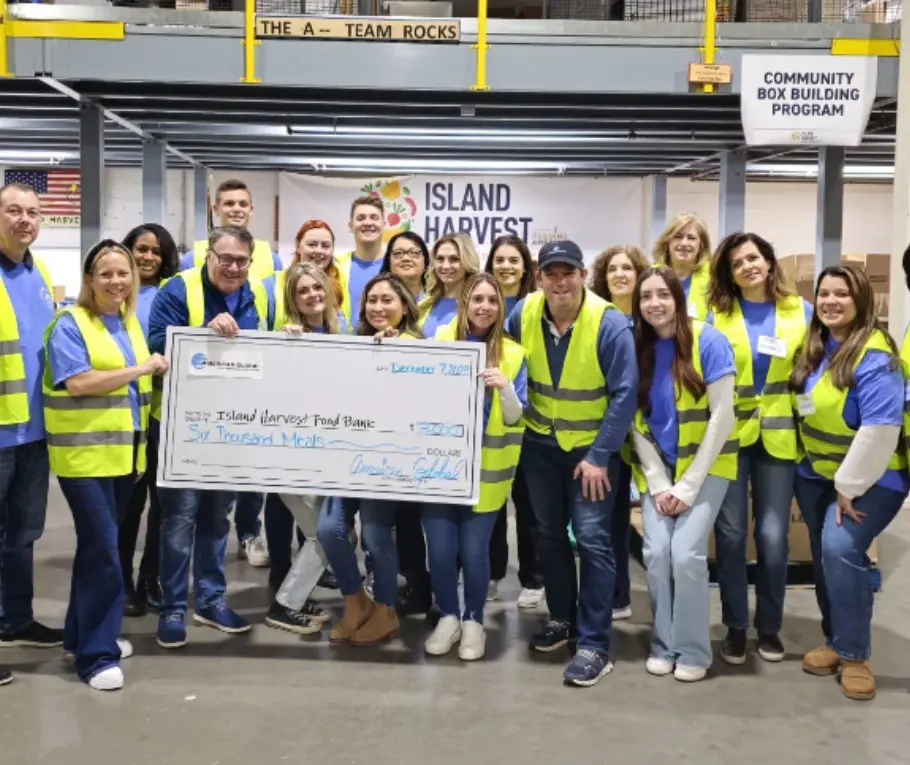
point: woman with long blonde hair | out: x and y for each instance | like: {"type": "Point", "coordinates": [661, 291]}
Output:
{"type": "Point", "coordinates": [685, 247]}
{"type": "Point", "coordinates": [452, 260]}
{"type": "Point", "coordinates": [309, 300]}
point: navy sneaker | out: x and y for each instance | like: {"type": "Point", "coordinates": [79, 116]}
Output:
{"type": "Point", "coordinates": [552, 637]}
{"type": "Point", "coordinates": [6, 677]}
{"type": "Point", "coordinates": [587, 668]}
{"type": "Point", "coordinates": [171, 631]}
{"type": "Point", "coordinates": [221, 618]}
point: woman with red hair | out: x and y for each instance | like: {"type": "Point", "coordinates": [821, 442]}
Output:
{"type": "Point", "coordinates": [315, 242]}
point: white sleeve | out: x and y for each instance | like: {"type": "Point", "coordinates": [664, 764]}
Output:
{"type": "Point", "coordinates": [720, 426]}
{"type": "Point", "coordinates": [651, 464]}
{"type": "Point", "coordinates": [511, 406]}
{"type": "Point", "coordinates": [867, 459]}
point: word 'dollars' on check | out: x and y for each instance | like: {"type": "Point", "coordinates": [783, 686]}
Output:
{"type": "Point", "coordinates": [321, 414]}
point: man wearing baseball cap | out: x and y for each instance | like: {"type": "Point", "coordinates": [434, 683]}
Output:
{"type": "Point", "coordinates": [582, 385]}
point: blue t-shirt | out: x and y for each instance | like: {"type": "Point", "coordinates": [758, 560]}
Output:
{"type": "Point", "coordinates": [361, 272]}
{"type": "Point", "coordinates": [68, 354]}
{"type": "Point", "coordinates": [33, 307]}
{"type": "Point", "coordinates": [144, 306]}
{"type": "Point", "coordinates": [188, 261]}
{"type": "Point", "coordinates": [716, 362]}
{"type": "Point", "coordinates": [342, 326]}
{"type": "Point", "coordinates": [510, 302]}
{"type": "Point", "coordinates": [519, 382]}
{"type": "Point", "coordinates": [876, 398]}
{"type": "Point", "coordinates": [439, 315]}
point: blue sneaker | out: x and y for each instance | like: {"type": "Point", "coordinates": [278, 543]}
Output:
{"type": "Point", "coordinates": [221, 618]}
{"type": "Point", "coordinates": [171, 631]}
{"type": "Point", "coordinates": [587, 667]}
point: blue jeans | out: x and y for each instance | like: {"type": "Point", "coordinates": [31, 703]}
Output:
{"type": "Point", "coordinates": [619, 533]}
{"type": "Point", "coordinates": [772, 495]}
{"type": "Point", "coordinates": [843, 588]}
{"type": "Point", "coordinates": [194, 524]}
{"type": "Point", "coordinates": [455, 533]}
{"type": "Point", "coordinates": [95, 612]}
{"type": "Point", "coordinates": [556, 498]}
{"type": "Point", "coordinates": [246, 515]}
{"type": "Point", "coordinates": [24, 472]}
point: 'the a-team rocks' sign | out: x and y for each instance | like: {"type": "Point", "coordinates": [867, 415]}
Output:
{"type": "Point", "coordinates": [591, 211]}
{"type": "Point", "coordinates": [360, 28]}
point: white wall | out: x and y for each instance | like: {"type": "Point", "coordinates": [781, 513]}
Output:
{"type": "Point", "coordinates": [784, 213]}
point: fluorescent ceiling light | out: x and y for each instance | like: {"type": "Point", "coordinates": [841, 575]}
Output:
{"type": "Point", "coordinates": [458, 165]}
{"type": "Point", "coordinates": [466, 135]}
{"type": "Point", "coordinates": [784, 170]}
{"type": "Point", "coordinates": [36, 156]}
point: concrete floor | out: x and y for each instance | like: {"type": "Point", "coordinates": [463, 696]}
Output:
{"type": "Point", "coordinates": [269, 697]}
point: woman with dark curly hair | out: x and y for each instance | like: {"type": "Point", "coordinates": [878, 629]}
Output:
{"type": "Point", "coordinates": [613, 274]}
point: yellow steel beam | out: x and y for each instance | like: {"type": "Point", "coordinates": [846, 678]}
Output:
{"type": "Point", "coordinates": [249, 42]}
{"type": "Point", "coordinates": [66, 30]}
{"type": "Point", "coordinates": [881, 47]}
{"type": "Point", "coordinates": [481, 47]}
{"type": "Point", "coordinates": [709, 47]}
{"type": "Point", "coordinates": [4, 54]}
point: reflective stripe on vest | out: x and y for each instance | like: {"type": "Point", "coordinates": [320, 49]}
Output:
{"type": "Point", "coordinates": [692, 419]}
{"type": "Point", "coordinates": [575, 409]}
{"type": "Point", "coordinates": [824, 434]}
{"type": "Point", "coordinates": [501, 447]}
{"type": "Point", "coordinates": [262, 265]}
{"type": "Point", "coordinates": [13, 388]}
{"type": "Point", "coordinates": [93, 436]}
{"type": "Point", "coordinates": [771, 413]}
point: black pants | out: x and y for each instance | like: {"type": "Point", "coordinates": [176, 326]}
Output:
{"type": "Point", "coordinates": [412, 547]}
{"type": "Point", "coordinates": [525, 530]}
{"type": "Point", "coordinates": [144, 489]}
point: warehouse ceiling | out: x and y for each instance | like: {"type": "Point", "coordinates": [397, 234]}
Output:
{"type": "Point", "coordinates": [339, 130]}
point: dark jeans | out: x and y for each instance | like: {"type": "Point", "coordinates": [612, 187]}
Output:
{"type": "Point", "coordinates": [95, 612]}
{"type": "Point", "coordinates": [145, 488]}
{"type": "Point", "coordinates": [411, 546]}
{"type": "Point", "coordinates": [526, 535]}
{"type": "Point", "coordinates": [619, 533]}
{"type": "Point", "coordinates": [772, 495]}
{"type": "Point", "coordinates": [586, 600]}
{"type": "Point", "coordinates": [456, 533]}
{"type": "Point", "coordinates": [246, 515]}
{"type": "Point", "coordinates": [843, 588]}
{"type": "Point", "coordinates": [24, 473]}
{"type": "Point", "coordinates": [280, 529]}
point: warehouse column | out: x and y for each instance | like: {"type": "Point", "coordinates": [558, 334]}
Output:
{"type": "Point", "coordinates": [91, 168]}
{"type": "Point", "coordinates": [829, 207]}
{"type": "Point", "coordinates": [658, 206]}
{"type": "Point", "coordinates": [154, 180]}
{"type": "Point", "coordinates": [899, 298]}
{"type": "Point", "coordinates": [732, 196]}
{"type": "Point", "coordinates": [200, 203]}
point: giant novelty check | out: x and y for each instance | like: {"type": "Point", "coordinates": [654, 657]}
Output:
{"type": "Point", "coordinates": [338, 415]}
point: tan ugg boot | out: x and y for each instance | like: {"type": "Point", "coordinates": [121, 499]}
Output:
{"type": "Point", "coordinates": [821, 661]}
{"type": "Point", "coordinates": [382, 624]}
{"type": "Point", "coordinates": [857, 681]}
{"type": "Point", "coordinates": [357, 610]}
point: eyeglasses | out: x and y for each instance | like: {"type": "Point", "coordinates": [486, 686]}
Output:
{"type": "Point", "coordinates": [414, 254]}
{"type": "Point", "coordinates": [241, 263]}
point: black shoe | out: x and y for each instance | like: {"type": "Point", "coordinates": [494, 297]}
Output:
{"type": "Point", "coordinates": [433, 616]}
{"type": "Point", "coordinates": [555, 635]}
{"type": "Point", "coordinates": [133, 604]}
{"type": "Point", "coordinates": [328, 581]}
{"type": "Point", "coordinates": [6, 677]}
{"type": "Point", "coordinates": [733, 650]}
{"type": "Point", "coordinates": [414, 600]}
{"type": "Point", "coordinates": [315, 614]}
{"type": "Point", "coordinates": [770, 648]}
{"type": "Point", "coordinates": [36, 635]}
{"type": "Point", "coordinates": [285, 619]}
{"type": "Point", "coordinates": [153, 595]}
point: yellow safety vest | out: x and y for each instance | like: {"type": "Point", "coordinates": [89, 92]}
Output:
{"type": "Point", "coordinates": [574, 410]}
{"type": "Point", "coordinates": [905, 362]}
{"type": "Point", "coordinates": [343, 264]}
{"type": "Point", "coordinates": [697, 302]}
{"type": "Point", "coordinates": [768, 413]}
{"type": "Point", "coordinates": [825, 436]}
{"type": "Point", "coordinates": [263, 264]}
{"type": "Point", "coordinates": [692, 420]}
{"type": "Point", "coordinates": [93, 436]}
{"type": "Point", "coordinates": [13, 392]}
{"type": "Point", "coordinates": [280, 316]}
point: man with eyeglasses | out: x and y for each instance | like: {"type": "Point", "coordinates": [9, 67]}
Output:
{"type": "Point", "coordinates": [222, 296]}
{"type": "Point", "coordinates": [26, 310]}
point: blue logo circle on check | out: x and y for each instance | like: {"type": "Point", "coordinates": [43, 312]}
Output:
{"type": "Point", "coordinates": [198, 361]}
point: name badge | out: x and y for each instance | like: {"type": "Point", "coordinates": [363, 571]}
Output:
{"type": "Point", "coordinates": [804, 404]}
{"type": "Point", "coordinates": [772, 346]}
{"type": "Point", "coordinates": [693, 310]}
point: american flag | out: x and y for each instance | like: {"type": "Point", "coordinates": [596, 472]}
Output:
{"type": "Point", "coordinates": [58, 190]}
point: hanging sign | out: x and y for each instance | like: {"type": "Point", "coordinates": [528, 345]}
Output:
{"type": "Point", "coordinates": [813, 100]}
{"type": "Point", "coordinates": [360, 28]}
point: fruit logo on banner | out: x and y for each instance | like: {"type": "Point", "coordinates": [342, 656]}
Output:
{"type": "Point", "coordinates": [400, 207]}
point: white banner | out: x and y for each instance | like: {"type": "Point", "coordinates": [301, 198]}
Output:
{"type": "Point", "coordinates": [593, 212]}
{"type": "Point", "coordinates": [813, 100]}
{"type": "Point", "coordinates": [400, 420]}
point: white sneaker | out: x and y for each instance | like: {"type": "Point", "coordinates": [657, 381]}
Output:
{"type": "Point", "coordinates": [473, 641]}
{"type": "Point", "coordinates": [529, 598]}
{"type": "Point", "coordinates": [126, 648]}
{"type": "Point", "coordinates": [622, 613]}
{"type": "Point", "coordinates": [657, 665]}
{"type": "Point", "coordinates": [493, 591]}
{"type": "Point", "coordinates": [110, 679]}
{"type": "Point", "coordinates": [256, 552]}
{"type": "Point", "coordinates": [444, 637]}
{"type": "Point", "coordinates": [689, 674]}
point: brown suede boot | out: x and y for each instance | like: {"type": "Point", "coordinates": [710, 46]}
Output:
{"type": "Point", "coordinates": [382, 624]}
{"type": "Point", "coordinates": [357, 609]}
{"type": "Point", "coordinates": [821, 661]}
{"type": "Point", "coordinates": [857, 681]}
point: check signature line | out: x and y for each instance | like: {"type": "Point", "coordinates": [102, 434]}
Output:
{"type": "Point", "coordinates": [377, 447]}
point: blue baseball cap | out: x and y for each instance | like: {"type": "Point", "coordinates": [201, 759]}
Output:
{"type": "Point", "coordinates": [564, 251]}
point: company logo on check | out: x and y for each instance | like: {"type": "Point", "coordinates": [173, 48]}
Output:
{"type": "Point", "coordinates": [229, 365]}
{"type": "Point", "coordinates": [199, 361]}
